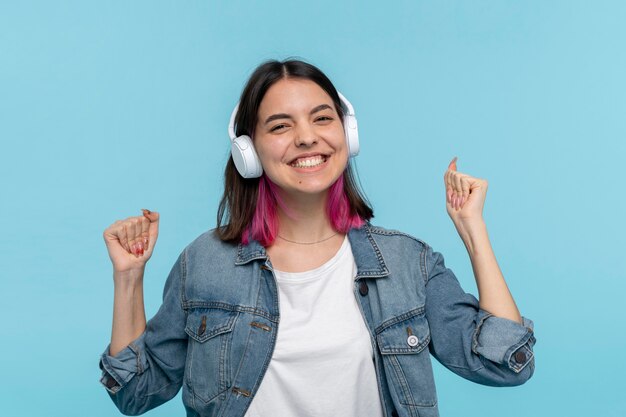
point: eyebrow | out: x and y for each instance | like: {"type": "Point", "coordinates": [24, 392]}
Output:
{"type": "Point", "coordinates": [286, 116]}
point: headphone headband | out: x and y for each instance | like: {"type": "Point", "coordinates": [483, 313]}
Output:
{"type": "Point", "coordinates": [231, 124]}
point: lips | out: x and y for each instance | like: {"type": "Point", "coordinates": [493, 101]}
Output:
{"type": "Point", "coordinates": [308, 161]}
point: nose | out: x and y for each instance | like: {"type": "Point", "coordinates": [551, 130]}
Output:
{"type": "Point", "coordinates": [305, 136]}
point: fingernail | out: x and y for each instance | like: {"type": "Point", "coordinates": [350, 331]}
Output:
{"type": "Point", "coordinates": [139, 246]}
{"type": "Point", "coordinates": [145, 242]}
{"type": "Point", "coordinates": [453, 164]}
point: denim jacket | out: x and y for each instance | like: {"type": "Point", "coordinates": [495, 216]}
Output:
{"type": "Point", "coordinates": [215, 332]}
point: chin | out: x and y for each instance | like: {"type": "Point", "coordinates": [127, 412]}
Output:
{"type": "Point", "coordinates": [317, 187]}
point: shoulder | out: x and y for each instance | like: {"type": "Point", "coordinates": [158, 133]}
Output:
{"type": "Point", "coordinates": [209, 246]}
{"type": "Point", "coordinates": [403, 249]}
{"type": "Point", "coordinates": [394, 237]}
{"type": "Point", "coordinates": [386, 244]}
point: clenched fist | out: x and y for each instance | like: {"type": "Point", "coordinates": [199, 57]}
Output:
{"type": "Point", "coordinates": [465, 196]}
{"type": "Point", "coordinates": [130, 242]}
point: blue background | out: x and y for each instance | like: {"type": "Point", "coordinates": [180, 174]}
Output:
{"type": "Point", "coordinates": [108, 107]}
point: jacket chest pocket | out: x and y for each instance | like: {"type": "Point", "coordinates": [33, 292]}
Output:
{"type": "Point", "coordinates": [403, 345]}
{"type": "Point", "coordinates": [208, 369]}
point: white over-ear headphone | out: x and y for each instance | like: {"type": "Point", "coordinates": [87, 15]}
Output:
{"type": "Point", "coordinates": [246, 159]}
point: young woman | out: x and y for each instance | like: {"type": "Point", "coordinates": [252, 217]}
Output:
{"type": "Point", "coordinates": [296, 305]}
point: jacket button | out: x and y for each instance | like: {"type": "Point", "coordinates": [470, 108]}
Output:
{"type": "Point", "coordinates": [412, 340]}
{"type": "Point", "coordinates": [363, 289]}
{"type": "Point", "coordinates": [202, 327]}
{"type": "Point", "coordinates": [110, 382]}
{"type": "Point", "coordinates": [520, 356]}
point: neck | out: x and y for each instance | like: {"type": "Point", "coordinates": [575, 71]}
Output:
{"type": "Point", "coordinates": [304, 219]}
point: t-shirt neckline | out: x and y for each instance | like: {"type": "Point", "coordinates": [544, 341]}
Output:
{"type": "Point", "coordinates": [312, 274]}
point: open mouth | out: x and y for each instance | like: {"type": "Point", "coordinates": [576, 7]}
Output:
{"type": "Point", "coordinates": [309, 161]}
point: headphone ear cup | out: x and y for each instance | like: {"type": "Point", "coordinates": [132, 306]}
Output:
{"type": "Point", "coordinates": [352, 134]}
{"type": "Point", "coordinates": [245, 157]}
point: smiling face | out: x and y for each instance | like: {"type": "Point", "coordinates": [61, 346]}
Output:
{"type": "Point", "coordinates": [299, 137]}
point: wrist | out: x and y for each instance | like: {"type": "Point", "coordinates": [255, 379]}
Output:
{"type": "Point", "coordinates": [474, 234]}
{"type": "Point", "coordinates": [128, 280]}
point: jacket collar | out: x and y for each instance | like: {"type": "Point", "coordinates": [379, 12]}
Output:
{"type": "Point", "coordinates": [247, 253]}
{"type": "Point", "coordinates": [369, 261]}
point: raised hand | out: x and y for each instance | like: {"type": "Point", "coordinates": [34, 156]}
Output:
{"type": "Point", "coordinates": [130, 242]}
{"type": "Point", "coordinates": [465, 199]}
{"type": "Point", "coordinates": [465, 196]}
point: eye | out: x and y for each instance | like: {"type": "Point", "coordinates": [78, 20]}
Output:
{"type": "Point", "coordinates": [324, 119]}
{"type": "Point", "coordinates": [278, 127]}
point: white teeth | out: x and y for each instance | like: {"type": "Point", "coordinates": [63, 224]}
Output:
{"type": "Point", "coordinates": [308, 162]}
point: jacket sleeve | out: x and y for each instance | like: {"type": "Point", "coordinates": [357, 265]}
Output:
{"type": "Point", "coordinates": [149, 371]}
{"type": "Point", "coordinates": [470, 341]}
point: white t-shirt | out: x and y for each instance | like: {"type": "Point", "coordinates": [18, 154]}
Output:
{"type": "Point", "coordinates": [323, 361]}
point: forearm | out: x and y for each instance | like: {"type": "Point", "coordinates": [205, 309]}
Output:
{"type": "Point", "coordinates": [129, 317]}
{"type": "Point", "coordinates": [494, 294]}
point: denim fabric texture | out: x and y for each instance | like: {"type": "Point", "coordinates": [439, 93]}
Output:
{"type": "Point", "coordinates": [215, 332]}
